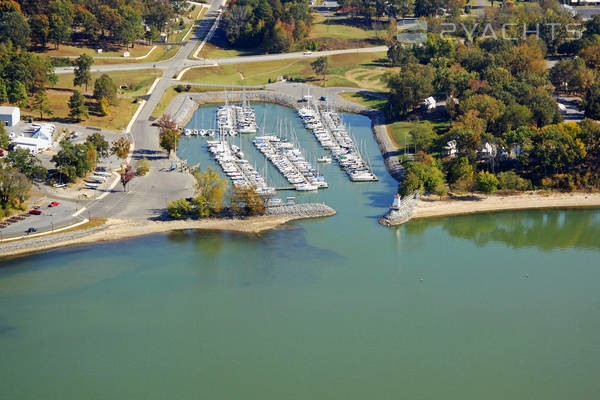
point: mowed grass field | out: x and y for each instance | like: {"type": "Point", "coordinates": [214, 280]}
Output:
{"type": "Point", "coordinates": [341, 72]}
{"type": "Point", "coordinates": [333, 28]}
{"type": "Point", "coordinates": [138, 81]}
{"type": "Point", "coordinates": [117, 119]}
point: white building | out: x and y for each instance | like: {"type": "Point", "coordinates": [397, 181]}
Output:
{"type": "Point", "coordinates": [40, 139]}
{"type": "Point", "coordinates": [10, 116]}
{"type": "Point", "coordinates": [429, 103]}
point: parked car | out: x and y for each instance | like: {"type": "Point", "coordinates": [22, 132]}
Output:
{"type": "Point", "coordinates": [35, 212]}
{"type": "Point", "coordinates": [307, 53]}
{"type": "Point", "coordinates": [53, 204]}
{"type": "Point", "coordinates": [323, 98]}
{"type": "Point", "coordinates": [31, 230]}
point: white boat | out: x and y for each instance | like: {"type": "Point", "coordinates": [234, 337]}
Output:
{"type": "Point", "coordinates": [305, 187]}
{"type": "Point", "coordinates": [324, 159]}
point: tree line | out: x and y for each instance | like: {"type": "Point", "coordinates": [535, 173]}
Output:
{"type": "Point", "coordinates": [39, 23]}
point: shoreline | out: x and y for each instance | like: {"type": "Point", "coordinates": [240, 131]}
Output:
{"type": "Point", "coordinates": [478, 204]}
{"type": "Point", "coordinates": [118, 229]}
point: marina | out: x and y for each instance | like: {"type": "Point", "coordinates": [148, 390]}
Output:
{"type": "Point", "coordinates": [237, 168]}
{"type": "Point", "coordinates": [329, 129]}
{"type": "Point", "coordinates": [290, 162]}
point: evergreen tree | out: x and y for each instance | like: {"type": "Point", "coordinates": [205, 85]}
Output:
{"type": "Point", "coordinates": [77, 107]}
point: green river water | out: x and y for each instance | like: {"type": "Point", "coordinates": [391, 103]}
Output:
{"type": "Point", "coordinates": [491, 306]}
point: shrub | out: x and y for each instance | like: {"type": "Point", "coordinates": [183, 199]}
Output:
{"type": "Point", "coordinates": [142, 167]}
{"type": "Point", "coordinates": [486, 182]}
{"type": "Point", "coordinates": [179, 209]}
{"type": "Point", "coordinates": [509, 180]}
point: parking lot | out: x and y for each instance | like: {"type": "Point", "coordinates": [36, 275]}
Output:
{"type": "Point", "coordinates": [49, 219]}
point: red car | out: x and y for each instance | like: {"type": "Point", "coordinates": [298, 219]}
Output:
{"type": "Point", "coordinates": [53, 204]}
{"type": "Point", "coordinates": [35, 212]}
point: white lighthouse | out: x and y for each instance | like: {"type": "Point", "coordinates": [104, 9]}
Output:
{"type": "Point", "coordinates": [397, 202]}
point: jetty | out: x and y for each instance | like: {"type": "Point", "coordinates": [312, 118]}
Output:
{"type": "Point", "coordinates": [401, 210]}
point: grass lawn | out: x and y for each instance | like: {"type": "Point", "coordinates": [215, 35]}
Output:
{"type": "Point", "coordinates": [343, 33]}
{"type": "Point", "coordinates": [138, 81]}
{"type": "Point", "coordinates": [341, 69]}
{"type": "Point", "coordinates": [398, 131]}
{"type": "Point", "coordinates": [364, 99]}
{"type": "Point", "coordinates": [339, 29]}
{"type": "Point", "coordinates": [119, 116]}
{"type": "Point", "coordinates": [108, 51]}
{"type": "Point", "coordinates": [171, 93]}
{"type": "Point", "coordinates": [214, 50]}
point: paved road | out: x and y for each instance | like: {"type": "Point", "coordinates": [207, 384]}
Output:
{"type": "Point", "coordinates": [181, 63]}
{"type": "Point", "coordinates": [587, 12]}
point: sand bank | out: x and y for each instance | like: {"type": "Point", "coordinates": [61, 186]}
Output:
{"type": "Point", "coordinates": [116, 229]}
{"type": "Point", "coordinates": [470, 204]}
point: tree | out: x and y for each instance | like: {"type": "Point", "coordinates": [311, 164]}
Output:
{"type": "Point", "coordinates": [131, 27]}
{"type": "Point", "coordinates": [74, 160]}
{"type": "Point", "coordinates": [459, 168]}
{"type": "Point", "coordinates": [489, 108]}
{"type": "Point", "coordinates": [77, 107]}
{"type": "Point", "coordinates": [59, 31]}
{"type": "Point", "coordinates": [509, 180]}
{"type": "Point", "coordinates": [83, 76]}
{"type": "Point", "coordinates": [179, 209]}
{"type": "Point", "coordinates": [25, 163]}
{"type": "Point", "coordinates": [14, 187]}
{"type": "Point", "coordinates": [127, 176]}
{"type": "Point", "coordinates": [169, 140]}
{"type": "Point", "coordinates": [142, 167]}
{"type": "Point", "coordinates": [166, 122]}
{"type": "Point", "coordinates": [591, 103]}
{"type": "Point", "coordinates": [423, 136]}
{"type": "Point", "coordinates": [104, 87]}
{"type": "Point", "coordinates": [245, 201]}
{"type": "Point", "coordinates": [210, 188]}
{"type": "Point", "coordinates": [400, 55]}
{"type": "Point", "coordinates": [544, 109]}
{"type": "Point", "coordinates": [104, 106]}
{"type": "Point", "coordinates": [422, 177]}
{"type": "Point", "coordinates": [405, 7]}
{"type": "Point", "coordinates": [120, 148]}
{"type": "Point", "coordinates": [4, 140]}
{"type": "Point", "coordinates": [14, 28]}
{"type": "Point", "coordinates": [101, 145]}
{"type": "Point", "coordinates": [40, 29]}
{"type": "Point", "coordinates": [319, 66]}
{"type": "Point", "coordinates": [407, 89]}
{"type": "Point", "coordinates": [3, 92]}
{"type": "Point", "coordinates": [18, 94]}
{"type": "Point", "coordinates": [41, 103]}
{"type": "Point", "coordinates": [486, 182]}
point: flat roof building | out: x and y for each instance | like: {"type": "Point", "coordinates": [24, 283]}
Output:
{"type": "Point", "coordinates": [9, 116]}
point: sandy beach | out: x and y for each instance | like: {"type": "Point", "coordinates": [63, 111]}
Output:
{"type": "Point", "coordinates": [116, 229]}
{"type": "Point", "coordinates": [431, 207]}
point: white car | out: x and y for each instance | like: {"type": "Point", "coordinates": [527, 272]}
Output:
{"type": "Point", "coordinates": [307, 53]}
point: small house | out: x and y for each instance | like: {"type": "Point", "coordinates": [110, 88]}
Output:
{"type": "Point", "coordinates": [10, 116]}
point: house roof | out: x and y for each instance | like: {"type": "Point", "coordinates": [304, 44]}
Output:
{"type": "Point", "coordinates": [8, 110]}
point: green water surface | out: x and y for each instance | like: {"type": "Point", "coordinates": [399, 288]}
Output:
{"type": "Point", "coordinates": [493, 306]}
